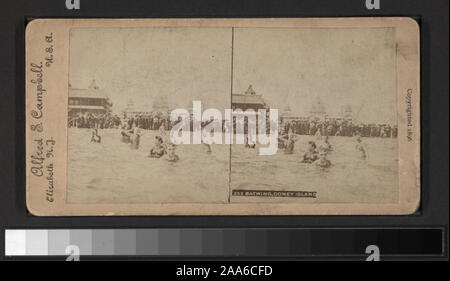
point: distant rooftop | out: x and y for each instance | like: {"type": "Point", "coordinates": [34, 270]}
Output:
{"type": "Point", "coordinates": [248, 97]}
{"type": "Point", "coordinates": [86, 107]}
{"type": "Point", "coordinates": [93, 92]}
{"type": "Point", "coordinates": [250, 91]}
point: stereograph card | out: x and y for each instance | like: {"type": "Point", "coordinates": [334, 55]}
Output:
{"type": "Point", "coordinates": [222, 116]}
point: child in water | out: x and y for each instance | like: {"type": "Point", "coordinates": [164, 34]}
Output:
{"type": "Point", "coordinates": [322, 162]}
{"type": "Point", "coordinates": [95, 136]}
{"type": "Point", "coordinates": [326, 146]}
{"type": "Point", "coordinates": [311, 155]}
{"type": "Point", "coordinates": [126, 134]}
{"type": "Point", "coordinates": [158, 150]}
{"type": "Point", "coordinates": [171, 156]}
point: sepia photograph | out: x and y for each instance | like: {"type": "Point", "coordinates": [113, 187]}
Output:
{"type": "Point", "coordinates": [123, 85]}
{"type": "Point", "coordinates": [335, 91]}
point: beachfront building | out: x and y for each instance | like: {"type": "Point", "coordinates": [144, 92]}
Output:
{"type": "Point", "coordinates": [132, 110]}
{"type": "Point", "coordinates": [248, 100]}
{"type": "Point", "coordinates": [318, 111]}
{"type": "Point", "coordinates": [287, 116]}
{"type": "Point", "coordinates": [88, 101]}
{"type": "Point", "coordinates": [347, 112]}
{"type": "Point", "coordinates": [345, 115]}
{"type": "Point", "coordinates": [161, 105]}
{"type": "Point", "coordinates": [159, 108]}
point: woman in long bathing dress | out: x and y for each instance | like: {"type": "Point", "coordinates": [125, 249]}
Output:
{"type": "Point", "coordinates": [136, 138]}
{"type": "Point", "coordinates": [361, 148]}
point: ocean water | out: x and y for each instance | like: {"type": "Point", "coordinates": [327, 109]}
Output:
{"type": "Point", "coordinates": [350, 179]}
{"type": "Point", "coordinates": [113, 172]}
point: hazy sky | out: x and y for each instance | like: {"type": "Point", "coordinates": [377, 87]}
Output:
{"type": "Point", "coordinates": [286, 66]}
{"type": "Point", "coordinates": [341, 66]}
{"type": "Point", "coordinates": [141, 63]}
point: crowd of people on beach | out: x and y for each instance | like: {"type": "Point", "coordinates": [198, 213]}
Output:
{"type": "Point", "coordinates": [316, 151]}
{"type": "Point", "coordinates": [340, 128]}
{"type": "Point", "coordinates": [154, 121]}
{"type": "Point", "coordinates": [92, 120]}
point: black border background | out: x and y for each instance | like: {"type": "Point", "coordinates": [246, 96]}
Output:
{"type": "Point", "coordinates": [432, 17]}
